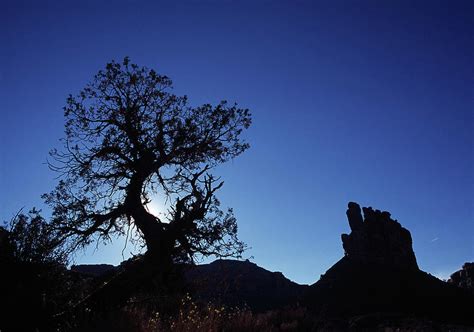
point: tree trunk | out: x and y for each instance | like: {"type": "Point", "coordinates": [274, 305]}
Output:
{"type": "Point", "coordinates": [158, 242]}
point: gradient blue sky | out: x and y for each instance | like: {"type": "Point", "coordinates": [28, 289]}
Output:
{"type": "Point", "coordinates": [367, 101]}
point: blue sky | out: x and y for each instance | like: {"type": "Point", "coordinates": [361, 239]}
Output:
{"type": "Point", "coordinates": [367, 101]}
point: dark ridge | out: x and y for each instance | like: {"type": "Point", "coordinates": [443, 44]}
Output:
{"type": "Point", "coordinates": [242, 283]}
{"type": "Point", "coordinates": [94, 270]}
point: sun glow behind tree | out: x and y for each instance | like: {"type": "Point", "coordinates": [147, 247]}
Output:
{"type": "Point", "coordinates": [158, 207]}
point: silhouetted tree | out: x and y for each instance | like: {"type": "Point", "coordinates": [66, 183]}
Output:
{"type": "Point", "coordinates": [129, 137]}
{"type": "Point", "coordinates": [34, 278]}
{"type": "Point", "coordinates": [29, 238]}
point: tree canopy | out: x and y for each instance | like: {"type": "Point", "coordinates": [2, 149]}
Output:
{"type": "Point", "coordinates": [28, 238]}
{"type": "Point", "coordinates": [127, 138]}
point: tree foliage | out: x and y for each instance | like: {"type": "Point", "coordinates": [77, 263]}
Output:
{"type": "Point", "coordinates": [127, 138]}
{"type": "Point", "coordinates": [29, 238]}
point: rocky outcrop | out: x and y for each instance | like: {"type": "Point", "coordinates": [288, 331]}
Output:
{"type": "Point", "coordinates": [379, 275]}
{"type": "Point", "coordinates": [464, 278]}
{"type": "Point", "coordinates": [377, 239]}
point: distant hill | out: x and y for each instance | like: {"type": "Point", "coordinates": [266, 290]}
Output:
{"type": "Point", "coordinates": [223, 282]}
{"type": "Point", "coordinates": [242, 283]}
{"type": "Point", "coordinates": [93, 270]}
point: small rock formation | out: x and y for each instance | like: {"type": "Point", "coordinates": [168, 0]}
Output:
{"type": "Point", "coordinates": [464, 278]}
{"type": "Point", "coordinates": [353, 215]}
{"type": "Point", "coordinates": [377, 239]}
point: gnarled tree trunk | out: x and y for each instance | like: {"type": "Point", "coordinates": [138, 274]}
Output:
{"type": "Point", "coordinates": [158, 242]}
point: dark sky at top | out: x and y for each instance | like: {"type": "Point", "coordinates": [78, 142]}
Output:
{"type": "Point", "coordinates": [370, 101]}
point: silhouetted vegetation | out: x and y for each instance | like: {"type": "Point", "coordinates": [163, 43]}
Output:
{"type": "Point", "coordinates": [29, 238]}
{"type": "Point", "coordinates": [35, 281]}
{"type": "Point", "coordinates": [127, 138]}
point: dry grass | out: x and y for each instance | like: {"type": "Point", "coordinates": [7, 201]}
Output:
{"type": "Point", "coordinates": [193, 317]}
